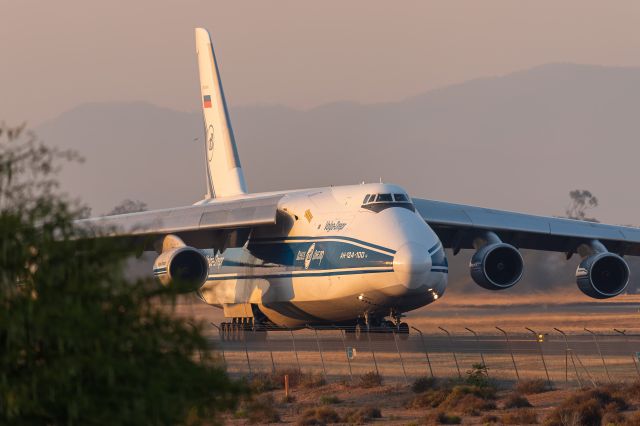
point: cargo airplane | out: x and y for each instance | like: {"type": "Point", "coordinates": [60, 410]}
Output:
{"type": "Point", "coordinates": [356, 257]}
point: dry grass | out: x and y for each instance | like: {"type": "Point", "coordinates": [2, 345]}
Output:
{"type": "Point", "coordinates": [361, 415]}
{"type": "Point", "coordinates": [442, 418]}
{"type": "Point", "coordinates": [532, 386]}
{"type": "Point", "coordinates": [371, 380]}
{"type": "Point", "coordinates": [587, 407]}
{"type": "Point", "coordinates": [525, 416]}
{"type": "Point", "coordinates": [319, 416]}
{"type": "Point", "coordinates": [516, 400]}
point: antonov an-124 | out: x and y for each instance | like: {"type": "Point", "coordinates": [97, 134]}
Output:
{"type": "Point", "coordinates": [354, 257]}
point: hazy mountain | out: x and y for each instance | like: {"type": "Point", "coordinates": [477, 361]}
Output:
{"type": "Point", "coordinates": [519, 141]}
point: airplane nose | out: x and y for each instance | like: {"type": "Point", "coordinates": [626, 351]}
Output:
{"type": "Point", "coordinates": [411, 264]}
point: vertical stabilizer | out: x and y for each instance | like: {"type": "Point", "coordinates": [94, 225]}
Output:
{"type": "Point", "coordinates": [224, 173]}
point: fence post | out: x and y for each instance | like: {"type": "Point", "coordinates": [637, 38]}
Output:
{"type": "Point", "coordinates": [246, 352]}
{"type": "Point", "coordinates": [484, 364]}
{"type": "Point", "coordinates": [595, 340]}
{"type": "Point", "coordinates": [344, 345]}
{"type": "Point", "coordinates": [373, 353]}
{"type": "Point", "coordinates": [426, 353]}
{"type": "Point", "coordinates": [295, 351]}
{"type": "Point", "coordinates": [455, 358]}
{"type": "Point", "coordinates": [536, 336]}
{"type": "Point", "coordinates": [273, 364]}
{"type": "Point", "coordinates": [324, 370]}
{"type": "Point", "coordinates": [626, 339]}
{"type": "Point", "coordinates": [404, 372]}
{"type": "Point", "coordinates": [224, 359]}
{"type": "Point", "coordinates": [568, 350]}
{"type": "Point", "coordinates": [513, 358]}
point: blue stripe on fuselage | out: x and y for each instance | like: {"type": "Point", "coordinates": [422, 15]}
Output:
{"type": "Point", "coordinates": [329, 237]}
{"type": "Point", "coordinates": [298, 274]}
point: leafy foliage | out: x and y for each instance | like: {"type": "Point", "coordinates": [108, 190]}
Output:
{"type": "Point", "coordinates": [79, 343]}
{"type": "Point", "coordinates": [581, 201]}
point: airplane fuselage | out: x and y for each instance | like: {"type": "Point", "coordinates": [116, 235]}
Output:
{"type": "Point", "coordinates": [332, 257]}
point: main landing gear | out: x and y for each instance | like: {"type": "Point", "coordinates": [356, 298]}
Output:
{"type": "Point", "coordinates": [370, 327]}
{"type": "Point", "coordinates": [242, 329]}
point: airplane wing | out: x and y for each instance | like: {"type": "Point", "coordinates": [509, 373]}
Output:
{"type": "Point", "coordinates": [197, 225]}
{"type": "Point", "coordinates": [458, 224]}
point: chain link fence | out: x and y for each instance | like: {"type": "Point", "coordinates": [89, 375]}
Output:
{"type": "Point", "coordinates": [562, 359]}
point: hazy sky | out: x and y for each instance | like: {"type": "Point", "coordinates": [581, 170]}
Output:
{"type": "Point", "coordinates": [58, 54]}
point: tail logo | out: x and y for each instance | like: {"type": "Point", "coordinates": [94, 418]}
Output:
{"type": "Point", "coordinates": [210, 142]}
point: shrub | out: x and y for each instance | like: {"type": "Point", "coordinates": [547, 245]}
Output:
{"type": "Point", "coordinates": [329, 399]}
{"type": "Point", "coordinates": [442, 418]}
{"type": "Point", "coordinates": [260, 410]}
{"type": "Point", "coordinates": [478, 376]}
{"type": "Point", "coordinates": [295, 377]}
{"type": "Point", "coordinates": [633, 420]}
{"type": "Point", "coordinates": [319, 416]}
{"type": "Point", "coordinates": [633, 390]}
{"type": "Point", "coordinates": [457, 392]}
{"type": "Point", "coordinates": [528, 387]}
{"type": "Point", "coordinates": [429, 399]}
{"type": "Point", "coordinates": [614, 418]}
{"type": "Point", "coordinates": [361, 415]}
{"type": "Point", "coordinates": [470, 400]}
{"type": "Point", "coordinates": [515, 400]}
{"type": "Point", "coordinates": [610, 397]}
{"type": "Point", "coordinates": [312, 380]}
{"type": "Point", "coordinates": [471, 405]}
{"type": "Point", "coordinates": [264, 382]}
{"type": "Point", "coordinates": [490, 418]}
{"type": "Point", "coordinates": [520, 417]}
{"type": "Point", "coordinates": [586, 407]}
{"type": "Point", "coordinates": [371, 380]}
{"type": "Point", "coordinates": [576, 411]}
{"type": "Point", "coordinates": [422, 384]}
{"type": "Point", "coordinates": [80, 342]}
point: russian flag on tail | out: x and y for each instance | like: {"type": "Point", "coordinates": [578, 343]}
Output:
{"type": "Point", "coordinates": [207, 101]}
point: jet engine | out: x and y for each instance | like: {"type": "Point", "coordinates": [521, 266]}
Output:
{"type": "Point", "coordinates": [496, 266]}
{"type": "Point", "coordinates": [184, 265]}
{"type": "Point", "coordinates": [602, 275]}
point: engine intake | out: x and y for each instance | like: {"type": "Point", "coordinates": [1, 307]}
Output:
{"type": "Point", "coordinates": [185, 266]}
{"type": "Point", "coordinates": [602, 275]}
{"type": "Point", "coordinates": [496, 266]}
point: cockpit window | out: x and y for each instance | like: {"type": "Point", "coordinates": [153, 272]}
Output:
{"type": "Point", "coordinates": [379, 202]}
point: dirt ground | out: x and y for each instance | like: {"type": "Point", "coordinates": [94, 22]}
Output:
{"type": "Point", "coordinates": [392, 401]}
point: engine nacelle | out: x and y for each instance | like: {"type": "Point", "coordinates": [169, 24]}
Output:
{"type": "Point", "coordinates": [185, 265]}
{"type": "Point", "coordinates": [496, 266]}
{"type": "Point", "coordinates": [602, 275]}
